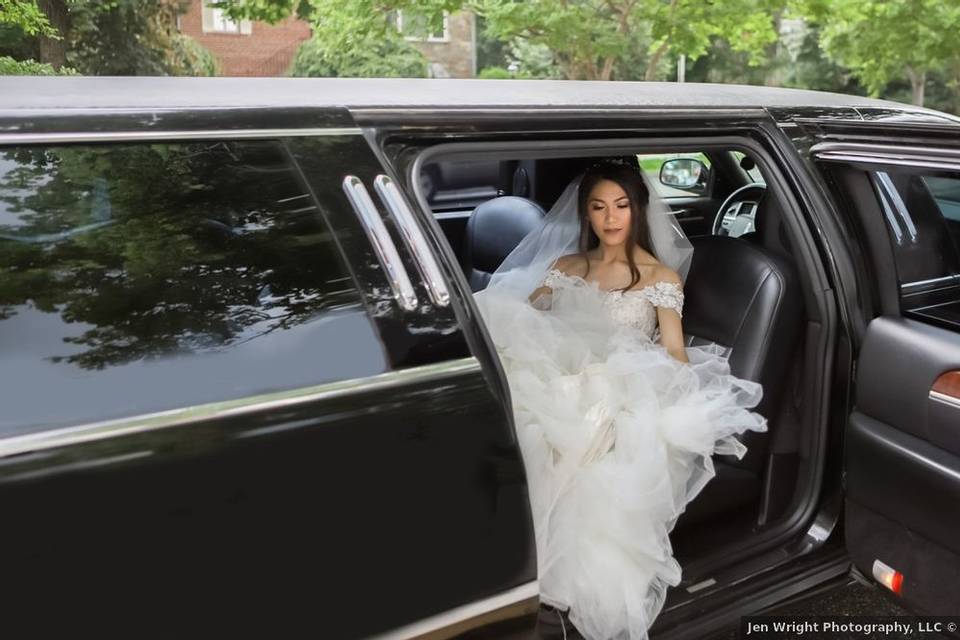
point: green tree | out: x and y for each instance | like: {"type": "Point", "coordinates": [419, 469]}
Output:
{"type": "Point", "coordinates": [491, 51]}
{"type": "Point", "coordinates": [814, 69]}
{"type": "Point", "coordinates": [590, 37]}
{"type": "Point", "coordinates": [11, 67]}
{"type": "Point", "coordinates": [385, 58]}
{"type": "Point", "coordinates": [133, 37]}
{"type": "Point", "coordinates": [882, 41]}
{"type": "Point", "coordinates": [26, 15]}
{"type": "Point", "coordinates": [356, 38]}
{"type": "Point", "coordinates": [22, 25]}
{"type": "Point", "coordinates": [113, 37]}
{"type": "Point", "coordinates": [587, 37]}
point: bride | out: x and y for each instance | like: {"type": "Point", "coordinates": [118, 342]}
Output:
{"type": "Point", "coordinates": [616, 419]}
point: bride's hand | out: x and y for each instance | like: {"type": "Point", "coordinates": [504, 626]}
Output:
{"type": "Point", "coordinates": [543, 292]}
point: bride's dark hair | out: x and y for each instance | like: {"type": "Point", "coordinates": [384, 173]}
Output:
{"type": "Point", "coordinates": [632, 183]}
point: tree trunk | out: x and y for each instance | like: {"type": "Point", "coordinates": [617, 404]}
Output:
{"type": "Point", "coordinates": [651, 73]}
{"type": "Point", "coordinates": [918, 83]}
{"type": "Point", "coordinates": [53, 51]}
{"type": "Point", "coordinates": [607, 71]}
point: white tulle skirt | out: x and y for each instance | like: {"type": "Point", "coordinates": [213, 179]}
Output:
{"type": "Point", "coordinates": [617, 437]}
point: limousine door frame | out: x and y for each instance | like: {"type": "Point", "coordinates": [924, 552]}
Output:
{"type": "Point", "coordinates": [901, 453]}
{"type": "Point", "coordinates": [403, 139]}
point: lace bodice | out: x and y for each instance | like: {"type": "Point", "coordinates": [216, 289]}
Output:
{"type": "Point", "coordinates": [635, 308]}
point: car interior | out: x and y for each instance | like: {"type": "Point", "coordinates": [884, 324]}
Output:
{"type": "Point", "coordinates": [744, 291]}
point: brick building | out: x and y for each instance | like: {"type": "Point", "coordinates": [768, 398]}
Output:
{"type": "Point", "coordinates": [248, 48]}
{"type": "Point", "coordinates": [244, 48]}
{"type": "Point", "coordinates": [449, 43]}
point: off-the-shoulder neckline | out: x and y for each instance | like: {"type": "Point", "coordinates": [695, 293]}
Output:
{"type": "Point", "coordinates": [593, 283]}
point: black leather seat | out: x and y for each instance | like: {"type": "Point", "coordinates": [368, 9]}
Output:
{"type": "Point", "coordinates": [495, 228]}
{"type": "Point", "coordinates": [746, 298]}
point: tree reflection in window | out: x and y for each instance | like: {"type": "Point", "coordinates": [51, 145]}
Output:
{"type": "Point", "coordinates": [165, 249]}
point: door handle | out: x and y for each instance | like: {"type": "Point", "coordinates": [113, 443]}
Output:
{"type": "Point", "coordinates": [383, 245]}
{"type": "Point", "coordinates": [413, 236]}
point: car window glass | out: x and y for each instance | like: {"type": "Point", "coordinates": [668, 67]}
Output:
{"type": "Point", "coordinates": [462, 185]}
{"type": "Point", "coordinates": [921, 213]}
{"type": "Point", "coordinates": [141, 277]}
{"type": "Point", "coordinates": [946, 193]}
{"type": "Point", "coordinates": [653, 163]}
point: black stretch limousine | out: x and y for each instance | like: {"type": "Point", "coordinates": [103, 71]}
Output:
{"type": "Point", "coordinates": [244, 385]}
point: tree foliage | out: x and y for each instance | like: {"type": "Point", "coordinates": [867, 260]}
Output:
{"type": "Point", "coordinates": [590, 37]}
{"type": "Point", "coordinates": [388, 58]}
{"type": "Point", "coordinates": [104, 37]}
{"type": "Point", "coordinates": [587, 37]}
{"type": "Point", "coordinates": [357, 38]}
{"type": "Point", "coordinates": [27, 16]}
{"type": "Point", "coordinates": [885, 40]}
{"type": "Point", "coordinates": [11, 67]}
{"type": "Point", "coordinates": [133, 37]}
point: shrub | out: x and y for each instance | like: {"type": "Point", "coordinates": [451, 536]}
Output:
{"type": "Point", "coordinates": [383, 58]}
{"type": "Point", "coordinates": [495, 73]}
{"type": "Point", "coordinates": [11, 67]}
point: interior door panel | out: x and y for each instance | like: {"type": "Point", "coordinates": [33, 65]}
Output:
{"type": "Point", "coordinates": [902, 460]}
{"type": "Point", "coordinates": [695, 214]}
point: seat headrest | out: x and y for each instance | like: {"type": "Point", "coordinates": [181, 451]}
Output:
{"type": "Point", "coordinates": [736, 292]}
{"type": "Point", "coordinates": [496, 227]}
{"type": "Point", "coordinates": [769, 230]}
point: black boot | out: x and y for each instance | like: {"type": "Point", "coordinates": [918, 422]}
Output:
{"type": "Point", "coordinates": [554, 624]}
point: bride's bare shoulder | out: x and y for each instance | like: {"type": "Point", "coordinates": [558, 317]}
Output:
{"type": "Point", "coordinates": [663, 273]}
{"type": "Point", "coordinates": [570, 264]}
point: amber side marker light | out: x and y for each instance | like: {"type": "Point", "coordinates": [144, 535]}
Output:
{"type": "Point", "coordinates": [888, 576]}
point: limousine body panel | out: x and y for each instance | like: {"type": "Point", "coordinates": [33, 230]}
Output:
{"type": "Point", "coordinates": [386, 497]}
{"type": "Point", "coordinates": [314, 506]}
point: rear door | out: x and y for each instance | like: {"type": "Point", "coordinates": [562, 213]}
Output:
{"type": "Point", "coordinates": [901, 201]}
{"type": "Point", "coordinates": [235, 388]}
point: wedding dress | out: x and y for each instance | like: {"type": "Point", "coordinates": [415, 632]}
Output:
{"type": "Point", "coordinates": [616, 437]}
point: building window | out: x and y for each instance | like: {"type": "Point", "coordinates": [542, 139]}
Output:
{"type": "Point", "coordinates": [424, 28]}
{"type": "Point", "coordinates": [217, 21]}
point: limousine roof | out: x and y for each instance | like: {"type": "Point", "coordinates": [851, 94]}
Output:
{"type": "Point", "coordinates": [17, 92]}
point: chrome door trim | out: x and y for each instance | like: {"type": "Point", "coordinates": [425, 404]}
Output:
{"type": "Point", "coordinates": [382, 243]}
{"type": "Point", "coordinates": [143, 136]}
{"type": "Point", "coordinates": [413, 236]}
{"type": "Point", "coordinates": [518, 601]}
{"type": "Point", "coordinates": [67, 436]}
{"type": "Point", "coordinates": [895, 155]}
{"type": "Point", "coordinates": [945, 281]}
{"type": "Point", "coordinates": [950, 401]}
{"type": "Point", "coordinates": [453, 215]}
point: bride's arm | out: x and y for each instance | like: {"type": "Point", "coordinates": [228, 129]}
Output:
{"type": "Point", "coordinates": [671, 333]}
{"type": "Point", "coordinates": [560, 264]}
{"type": "Point", "coordinates": [669, 313]}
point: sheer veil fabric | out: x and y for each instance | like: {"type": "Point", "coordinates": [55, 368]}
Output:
{"type": "Point", "coordinates": [616, 435]}
{"type": "Point", "coordinates": [523, 269]}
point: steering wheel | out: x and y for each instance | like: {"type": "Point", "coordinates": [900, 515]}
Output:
{"type": "Point", "coordinates": [735, 216]}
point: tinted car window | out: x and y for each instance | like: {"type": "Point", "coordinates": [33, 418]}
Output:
{"type": "Point", "coordinates": [921, 215]}
{"type": "Point", "coordinates": [946, 193]}
{"type": "Point", "coordinates": [142, 277]}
